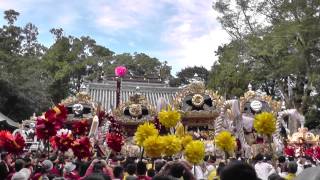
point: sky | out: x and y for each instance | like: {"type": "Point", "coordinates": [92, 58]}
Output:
{"type": "Point", "coordinates": [182, 32]}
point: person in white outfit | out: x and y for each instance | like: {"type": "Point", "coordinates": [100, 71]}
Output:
{"type": "Point", "coordinates": [263, 169]}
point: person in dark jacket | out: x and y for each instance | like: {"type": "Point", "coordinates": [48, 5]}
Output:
{"type": "Point", "coordinates": [5, 165]}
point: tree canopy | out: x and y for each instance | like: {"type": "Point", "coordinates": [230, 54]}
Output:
{"type": "Point", "coordinates": [34, 77]}
{"type": "Point", "coordinates": [275, 46]}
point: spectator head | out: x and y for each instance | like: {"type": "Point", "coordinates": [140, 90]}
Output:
{"type": "Point", "coordinates": [95, 176]}
{"type": "Point", "coordinates": [158, 165]}
{"type": "Point", "coordinates": [210, 158]}
{"type": "Point", "coordinates": [302, 160]}
{"type": "Point", "coordinates": [290, 158]}
{"type": "Point", "coordinates": [275, 176]}
{"type": "Point", "coordinates": [259, 157]}
{"type": "Point", "coordinates": [220, 167]}
{"type": "Point", "coordinates": [141, 168]}
{"type": "Point", "coordinates": [69, 167]}
{"type": "Point", "coordinates": [238, 170]}
{"type": "Point", "coordinates": [43, 157]}
{"type": "Point", "coordinates": [151, 172]}
{"type": "Point", "coordinates": [6, 157]}
{"type": "Point", "coordinates": [281, 159]}
{"type": "Point", "coordinates": [53, 158]}
{"type": "Point", "coordinates": [98, 167]}
{"type": "Point", "coordinates": [161, 178]}
{"type": "Point", "coordinates": [268, 157]}
{"type": "Point", "coordinates": [118, 172]}
{"type": "Point", "coordinates": [131, 168]}
{"type": "Point", "coordinates": [292, 167]}
{"type": "Point", "coordinates": [28, 161]}
{"type": "Point", "coordinates": [47, 166]}
{"type": "Point", "coordinates": [177, 170]}
{"type": "Point", "coordinates": [19, 164]}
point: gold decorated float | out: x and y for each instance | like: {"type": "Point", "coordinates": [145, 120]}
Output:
{"type": "Point", "coordinates": [251, 104]}
{"type": "Point", "coordinates": [303, 136]}
{"type": "Point", "coordinates": [80, 108]}
{"type": "Point", "coordinates": [198, 105]}
{"type": "Point", "coordinates": [134, 112]}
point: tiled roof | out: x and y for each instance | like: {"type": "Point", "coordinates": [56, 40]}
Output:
{"type": "Point", "coordinates": [8, 120]}
{"type": "Point", "coordinates": [105, 93]}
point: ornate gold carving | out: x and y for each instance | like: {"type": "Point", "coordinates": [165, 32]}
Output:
{"type": "Point", "coordinates": [197, 88]}
{"type": "Point", "coordinates": [135, 110]}
{"type": "Point", "coordinates": [252, 95]}
{"type": "Point", "coordinates": [303, 136]}
{"type": "Point", "coordinates": [197, 100]}
{"type": "Point", "coordinates": [135, 104]}
{"type": "Point", "coordinates": [81, 97]}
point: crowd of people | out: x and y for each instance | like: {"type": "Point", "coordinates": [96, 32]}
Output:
{"type": "Point", "coordinates": [41, 167]}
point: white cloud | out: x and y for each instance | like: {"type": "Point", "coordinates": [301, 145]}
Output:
{"type": "Point", "coordinates": [197, 51]}
{"type": "Point", "coordinates": [110, 18]}
{"type": "Point", "coordinates": [189, 32]}
{"type": "Point", "coordinates": [121, 14]}
{"type": "Point", "coordinates": [193, 34]}
{"type": "Point", "coordinates": [51, 12]}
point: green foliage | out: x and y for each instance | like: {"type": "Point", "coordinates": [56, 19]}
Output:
{"type": "Point", "coordinates": [313, 115]}
{"type": "Point", "coordinates": [22, 84]}
{"type": "Point", "coordinates": [186, 75]}
{"type": "Point", "coordinates": [278, 44]}
{"type": "Point", "coordinates": [231, 74]}
{"type": "Point", "coordinates": [34, 77]}
{"type": "Point", "coordinates": [138, 64]}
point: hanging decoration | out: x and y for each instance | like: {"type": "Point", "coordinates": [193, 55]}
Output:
{"type": "Point", "coordinates": [143, 132]}
{"type": "Point", "coordinates": [172, 145]}
{"type": "Point", "coordinates": [82, 147]}
{"type": "Point", "coordinates": [101, 117]}
{"type": "Point", "coordinates": [52, 121]}
{"type": "Point", "coordinates": [154, 146]}
{"type": "Point", "coordinates": [265, 123]}
{"type": "Point", "coordinates": [226, 142]}
{"type": "Point", "coordinates": [169, 118]}
{"type": "Point", "coordinates": [11, 143]}
{"type": "Point", "coordinates": [158, 125]}
{"type": "Point", "coordinates": [185, 140]}
{"type": "Point", "coordinates": [62, 140]}
{"type": "Point", "coordinates": [120, 71]}
{"type": "Point", "coordinates": [114, 137]}
{"type": "Point", "coordinates": [115, 141]}
{"type": "Point", "coordinates": [80, 128]}
{"type": "Point", "coordinates": [194, 152]}
{"type": "Point", "coordinates": [289, 151]}
{"type": "Point", "coordinates": [180, 130]}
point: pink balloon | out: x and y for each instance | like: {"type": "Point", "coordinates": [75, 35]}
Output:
{"type": "Point", "coordinates": [120, 71]}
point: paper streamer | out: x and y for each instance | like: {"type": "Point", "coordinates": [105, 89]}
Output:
{"type": "Point", "coordinates": [237, 118]}
{"type": "Point", "coordinates": [94, 126]}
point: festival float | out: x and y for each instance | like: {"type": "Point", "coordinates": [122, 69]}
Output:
{"type": "Point", "coordinates": [134, 112]}
{"type": "Point", "coordinates": [78, 112]}
{"type": "Point", "coordinates": [240, 118]}
{"type": "Point", "coordinates": [134, 127]}
{"type": "Point", "coordinates": [303, 144]}
{"type": "Point", "coordinates": [191, 114]}
{"type": "Point", "coordinates": [129, 115]}
{"type": "Point", "coordinates": [199, 108]}
{"type": "Point", "coordinates": [252, 105]}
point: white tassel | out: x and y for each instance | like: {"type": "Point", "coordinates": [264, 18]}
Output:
{"type": "Point", "coordinates": [94, 126]}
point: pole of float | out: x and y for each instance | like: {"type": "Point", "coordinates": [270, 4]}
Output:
{"type": "Point", "coordinates": [118, 92]}
{"type": "Point", "coordinates": [120, 71]}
